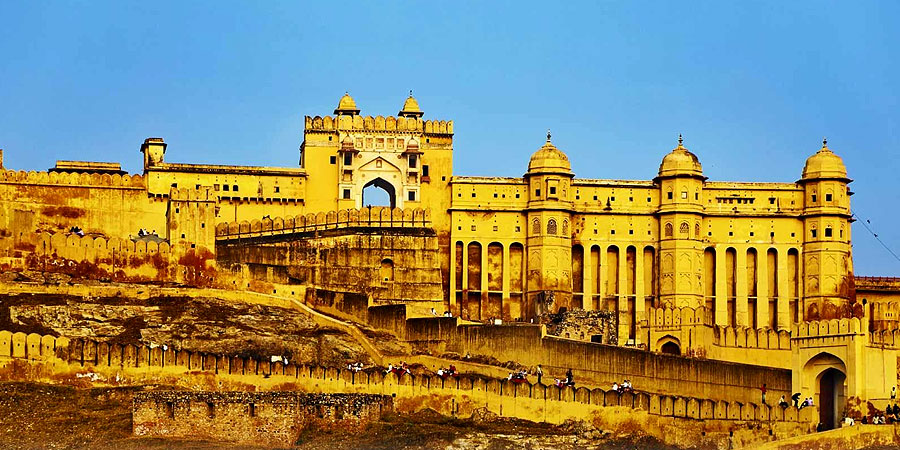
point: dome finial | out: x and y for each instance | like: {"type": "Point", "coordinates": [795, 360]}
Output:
{"type": "Point", "coordinates": [548, 135]}
{"type": "Point", "coordinates": [680, 140]}
{"type": "Point", "coordinates": [824, 142]}
{"type": "Point", "coordinates": [410, 92]}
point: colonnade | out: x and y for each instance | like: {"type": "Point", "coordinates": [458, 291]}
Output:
{"type": "Point", "coordinates": [743, 285]}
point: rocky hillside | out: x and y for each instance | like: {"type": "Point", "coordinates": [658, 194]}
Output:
{"type": "Point", "coordinates": [196, 324]}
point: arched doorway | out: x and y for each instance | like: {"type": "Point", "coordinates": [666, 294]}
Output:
{"type": "Point", "coordinates": [830, 387]}
{"type": "Point", "coordinates": [379, 192]}
{"type": "Point", "coordinates": [670, 348]}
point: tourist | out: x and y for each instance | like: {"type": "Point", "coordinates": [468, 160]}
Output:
{"type": "Point", "coordinates": [615, 386]}
{"type": "Point", "coordinates": [796, 399]}
{"type": "Point", "coordinates": [782, 402]}
{"type": "Point", "coordinates": [810, 401]}
{"type": "Point", "coordinates": [570, 379]}
{"type": "Point", "coordinates": [763, 390]}
{"type": "Point", "coordinates": [540, 373]}
{"type": "Point", "coordinates": [893, 393]}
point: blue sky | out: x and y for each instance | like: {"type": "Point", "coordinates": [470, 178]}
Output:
{"type": "Point", "coordinates": [753, 86]}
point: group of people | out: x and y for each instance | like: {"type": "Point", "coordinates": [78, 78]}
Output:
{"type": "Point", "coordinates": [398, 369]}
{"type": "Point", "coordinates": [77, 230]}
{"type": "Point", "coordinates": [795, 399]}
{"type": "Point", "coordinates": [568, 381]}
{"type": "Point", "coordinates": [519, 376]}
{"type": "Point", "coordinates": [142, 232]}
{"type": "Point", "coordinates": [355, 367]}
{"type": "Point", "coordinates": [624, 387]}
{"type": "Point", "coordinates": [448, 372]}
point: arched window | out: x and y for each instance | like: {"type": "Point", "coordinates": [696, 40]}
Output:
{"type": "Point", "coordinates": [536, 226]}
{"type": "Point", "coordinates": [668, 229]}
{"type": "Point", "coordinates": [551, 227]}
{"type": "Point", "coordinates": [697, 230]}
{"type": "Point", "coordinates": [565, 227]}
{"type": "Point", "coordinates": [684, 228]}
{"type": "Point", "coordinates": [387, 270]}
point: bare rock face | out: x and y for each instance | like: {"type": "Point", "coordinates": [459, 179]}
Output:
{"type": "Point", "coordinates": [207, 325]}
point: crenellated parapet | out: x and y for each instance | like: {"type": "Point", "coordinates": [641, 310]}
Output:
{"type": "Point", "coordinates": [378, 124]}
{"type": "Point", "coordinates": [669, 317]}
{"type": "Point", "coordinates": [745, 337]}
{"type": "Point", "coordinates": [72, 179]}
{"type": "Point", "coordinates": [829, 328]}
{"type": "Point", "coordinates": [374, 216]}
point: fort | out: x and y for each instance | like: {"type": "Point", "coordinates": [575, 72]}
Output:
{"type": "Point", "coordinates": [700, 292]}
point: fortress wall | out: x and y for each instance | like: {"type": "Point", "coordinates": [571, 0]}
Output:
{"type": "Point", "coordinates": [53, 202]}
{"type": "Point", "coordinates": [101, 258]}
{"type": "Point", "coordinates": [174, 414]}
{"type": "Point", "coordinates": [269, 418]}
{"type": "Point", "coordinates": [597, 363]}
{"type": "Point", "coordinates": [373, 216]}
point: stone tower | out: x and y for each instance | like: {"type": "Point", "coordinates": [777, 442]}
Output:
{"type": "Point", "coordinates": [680, 182]}
{"type": "Point", "coordinates": [154, 149]}
{"type": "Point", "coordinates": [549, 242]}
{"type": "Point", "coordinates": [827, 266]}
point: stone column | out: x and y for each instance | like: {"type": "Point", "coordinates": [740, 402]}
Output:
{"type": "Point", "coordinates": [588, 277]}
{"type": "Point", "coordinates": [639, 302]}
{"type": "Point", "coordinates": [762, 288]}
{"type": "Point", "coordinates": [740, 305]}
{"type": "Point", "coordinates": [784, 310]}
{"type": "Point", "coordinates": [721, 287]}
{"type": "Point", "coordinates": [484, 281]}
{"type": "Point", "coordinates": [624, 316]}
{"type": "Point", "coordinates": [505, 279]}
{"type": "Point", "coordinates": [452, 287]}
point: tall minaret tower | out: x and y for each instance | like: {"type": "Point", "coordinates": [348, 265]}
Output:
{"type": "Point", "coordinates": [680, 182]}
{"type": "Point", "coordinates": [827, 263]}
{"type": "Point", "coordinates": [549, 263]}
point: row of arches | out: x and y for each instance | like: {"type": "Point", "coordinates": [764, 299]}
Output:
{"type": "Point", "coordinates": [552, 227]}
{"type": "Point", "coordinates": [752, 288]}
{"type": "Point", "coordinates": [489, 280]}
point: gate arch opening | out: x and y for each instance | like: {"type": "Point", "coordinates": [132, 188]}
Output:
{"type": "Point", "coordinates": [830, 387]}
{"type": "Point", "coordinates": [379, 192]}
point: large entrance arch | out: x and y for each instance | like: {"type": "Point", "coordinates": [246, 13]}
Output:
{"type": "Point", "coordinates": [830, 387]}
{"type": "Point", "coordinates": [372, 186]}
{"type": "Point", "coordinates": [826, 375]}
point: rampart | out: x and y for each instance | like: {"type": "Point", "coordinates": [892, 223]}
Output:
{"type": "Point", "coordinates": [369, 217]}
{"type": "Point", "coordinates": [378, 123]}
{"type": "Point", "coordinates": [132, 361]}
{"type": "Point", "coordinates": [595, 363]}
{"type": "Point", "coordinates": [269, 418]}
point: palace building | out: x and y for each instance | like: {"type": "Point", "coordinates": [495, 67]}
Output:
{"type": "Point", "coordinates": [743, 272]}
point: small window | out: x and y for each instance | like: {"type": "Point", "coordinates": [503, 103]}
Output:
{"type": "Point", "coordinates": [412, 196]}
{"type": "Point", "coordinates": [813, 232]}
{"type": "Point", "coordinates": [612, 231]}
{"type": "Point", "coordinates": [684, 194]}
{"type": "Point", "coordinates": [537, 193]}
{"type": "Point", "coordinates": [473, 227]}
{"type": "Point", "coordinates": [771, 234]}
{"type": "Point", "coordinates": [332, 159]}
{"type": "Point", "coordinates": [196, 186]}
{"type": "Point", "coordinates": [346, 194]}
{"type": "Point", "coordinates": [495, 195]}
{"type": "Point", "coordinates": [612, 199]}
{"type": "Point", "coordinates": [518, 228]}
{"type": "Point", "coordinates": [814, 198]}
{"type": "Point", "coordinates": [348, 159]}
{"type": "Point", "coordinates": [252, 410]}
{"type": "Point", "coordinates": [551, 227]}
{"type": "Point", "coordinates": [234, 188]}
{"type": "Point", "coordinates": [495, 227]}
{"type": "Point", "coordinates": [174, 185]}
{"type": "Point", "coordinates": [277, 189]}
{"type": "Point", "coordinates": [595, 197]}
{"type": "Point", "coordinates": [412, 161]}
{"type": "Point", "coordinates": [552, 190]}
{"type": "Point", "coordinates": [670, 195]}
{"type": "Point", "coordinates": [215, 187]}
{"type": "Point", "coordinates": [828, 232]}
{"type": "Point", "coordinates": [731, 233]}
{"type": "Point", "coordinates": [473, 195]}
{"type": "Point", "coordinates": [751, 234]}
{"type": "Point", "coordinates": [630, 199]}
{"type": "Point", "coordinates": [771, 200]}
{"type": "Point", "coordinates": [225, 187]}
{"type": "Point", "coordinates": [696, 196]}
{"type": "Point", "coordinates": [517, 195]}
{"type": "Point", "coordinates": [424, 170]}
{"type": "Point", "coordinates": [203, 225]}
{"type": "Point", "coordinates": [177, 210]}
{"type": "Point", "coordinates": [827, 197]}
{"type": "Point", "coordinates": [630, 231]}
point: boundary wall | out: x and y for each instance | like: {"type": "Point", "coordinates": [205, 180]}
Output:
{"type": "Point", "coordinates": [372, 216]}
{"type": "Point", "coordinates": [530, 401]}
{"type": "Point", "coordinates": [272, 418]}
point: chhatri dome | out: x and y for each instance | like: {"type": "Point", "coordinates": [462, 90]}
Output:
{"type": "Point", "coordinates": [824, 164]}
{"type": "Point", "coordinates": [680, 162]}
{"type": "Point", "coordinates": [347, 105]}
{"type": "Point", "coordinates": [411, 108]}
{"type": "Point", "coordinates": [550, 159]}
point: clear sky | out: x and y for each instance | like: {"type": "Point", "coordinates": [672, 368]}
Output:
{"type": "Point", "coordinates": [753, 86]}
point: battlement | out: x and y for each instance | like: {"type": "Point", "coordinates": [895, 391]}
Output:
{"type": "Point", "coordinates": [745, 337]}
{"type": "Point", "coordinates": [72, 179]}
{"type": "Point", "coordinates": [674, 318]}
{"type": "Point", "coordinates": [378, 124]}
{"type": "Point", "coordinates": [373, 216]}
{"type": "Point", "coordinates": [829, 328]}
{"type": "Point", "coordinates": [862, 283]}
